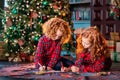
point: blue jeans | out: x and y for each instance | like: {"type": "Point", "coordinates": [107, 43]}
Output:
{"type": "Point", "coordinates": [63, 62]}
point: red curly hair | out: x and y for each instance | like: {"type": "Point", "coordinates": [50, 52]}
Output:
{"type": "Point", "coordinates": [99, 46]}
{"type": "Point", "coordinates": [51, 26]}
{"type": "Point", "coordinates": [79, 47]}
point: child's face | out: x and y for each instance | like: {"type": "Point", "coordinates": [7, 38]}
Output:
{"type": "Point", "coordinates": [58, 34]}
{"type": "Point", "coordinates": [86, 42]}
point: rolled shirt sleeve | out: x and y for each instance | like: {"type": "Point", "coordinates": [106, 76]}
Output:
{"type": "Point", "coordinates": [39, 52]}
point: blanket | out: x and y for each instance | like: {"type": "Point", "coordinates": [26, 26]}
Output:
{"type": "Point", "coordinates": [28, 72]}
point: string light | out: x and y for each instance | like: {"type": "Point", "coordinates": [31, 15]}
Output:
{"type": "Point", "coordinates": [27, 6]}
{"type": "Point", "coordinates": [27, 1]}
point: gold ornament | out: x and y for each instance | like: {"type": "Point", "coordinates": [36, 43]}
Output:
{"type": "Point", "coordinates": [63, 14]}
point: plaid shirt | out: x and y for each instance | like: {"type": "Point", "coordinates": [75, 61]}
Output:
{"type": "Point", "coordinates": [86, 65]}
{"type": "Point", "coordinates": [48, 52]}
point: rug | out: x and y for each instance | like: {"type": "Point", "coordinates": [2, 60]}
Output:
{"type": "Point", "coordinates": [28, 72]}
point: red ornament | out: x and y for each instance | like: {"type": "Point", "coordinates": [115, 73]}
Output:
{"type": "Point", "coordinates": [21, 42]}
{"type": "Point", "coordinates": [44, 17]}
{"type": "Point", "coordinates": [55, 7]}
{"type": "Point", "coordinates": [34, 15]}
{"type": "Point", "coordinates": [9, 22]}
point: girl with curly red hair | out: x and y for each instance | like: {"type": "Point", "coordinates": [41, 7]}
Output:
{"type": "Point", "coordinates": [56, 33]}
{"type": "Point", "coordinates": [95, 56]}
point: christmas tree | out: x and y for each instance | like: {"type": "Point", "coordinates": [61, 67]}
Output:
{"type": "Point", "coordinates": [23, 19]}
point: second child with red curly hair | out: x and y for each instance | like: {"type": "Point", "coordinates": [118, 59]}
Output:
{"type": "Point", "coordinates": [95, 56]}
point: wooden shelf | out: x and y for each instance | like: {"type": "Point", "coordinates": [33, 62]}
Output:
{"type": "Point", "coordinates": [101, 18]}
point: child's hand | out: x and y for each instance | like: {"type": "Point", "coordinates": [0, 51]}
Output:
{"type": "Point", "coordinates": [42, 68]}
{"type": "Point", "coordinates": [75, 69]}
{"type": "Point", "coordinates": [49, 68]}
{"type": "Point", "coordinates": [65, 69]}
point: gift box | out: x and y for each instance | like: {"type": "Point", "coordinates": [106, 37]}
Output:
{"type": "Point", "coordinates": [118, 47]}
{"type": "Point", "coordinates": [118, 57]}
{"type": "Point", "coordinates": [115, 57]}
{"type": "Point", "coordinates": [114, 36]}
{"type": "Point", "coordinates": [111, 48]}
{"type": "Point", "coordinates": [111, 45]}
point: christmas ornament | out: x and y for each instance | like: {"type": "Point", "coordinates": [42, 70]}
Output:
{"type": "Point", "coordinates": [55, 7]}
{"type": "Point", "coordinates": [21, 42]}
{"type": "Point", "coordinates": [13, 27]}
{"type": "Point", "coordinates": [9, 22]}
{"type": "Point", "coordinates": [44, 18]}
{"type": "Point", "coordinates": [63, 14]}
{"type": "Point", "coordinates": [14, 11]}
{"type": "Point", "coordinates": [36, 38]}
{"type": "Point", "coordinates": [34, 15]}
{"type": "Point", "coordinates": [40, 20]}
{"type": "Point", "coordinates": [44, 3]}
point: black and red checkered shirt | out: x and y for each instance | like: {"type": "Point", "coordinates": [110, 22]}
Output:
{"type": "Point", "coordinates": [85, 63]}
{"type": "Point", "coordinates": [48, 52]}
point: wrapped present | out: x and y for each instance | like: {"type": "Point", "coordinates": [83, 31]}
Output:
{"type": "Point", "coordinates": [118, 57]}
{"type": "Point", "coordinates": [114, 36]}
{"type": "Point", "coordinates": [118, 47]}
{"type": "Point", "coordinates": [115, 57]}
{"type": "Point", "coordinates": [111, 45]}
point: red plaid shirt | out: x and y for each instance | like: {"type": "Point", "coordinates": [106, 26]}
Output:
{"type": "Point", "coordinates": [48, 52]}
{"type": "Point", "coordinates": [86, 65]}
